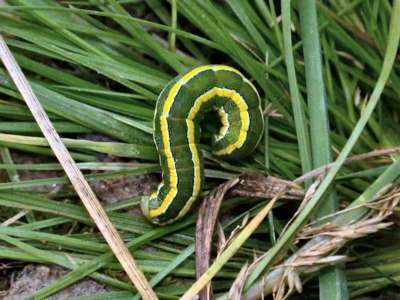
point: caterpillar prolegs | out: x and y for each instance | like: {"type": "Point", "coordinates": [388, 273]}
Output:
{"type": "Point", "coordinates": [180, 108]}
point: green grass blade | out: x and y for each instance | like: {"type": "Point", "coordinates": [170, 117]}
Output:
{"type": "Point", "coordinates": [301, 123]}
{"type": "Point", "coordinates": [332, 282]}
{"type": "Point", "coordinates": [391, 49]}
{"type": "Point", "coordinates": [113, 148]}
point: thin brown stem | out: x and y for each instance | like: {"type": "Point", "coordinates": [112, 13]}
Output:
{"type": "Point", "coordinates": [351, 159]}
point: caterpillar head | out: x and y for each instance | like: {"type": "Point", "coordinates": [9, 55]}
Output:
{"type": "Point", "coordinates": [146, 204]}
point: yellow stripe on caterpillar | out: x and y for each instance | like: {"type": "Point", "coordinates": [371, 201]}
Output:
{"type": "Point", "coordinates": [169, 203]}
{"type": "Point", "coordinates": [239, 102]}
{"type": "Point", "coordinates": [165, 139]}
{"type": "Point", "coordinates": [223, 116]}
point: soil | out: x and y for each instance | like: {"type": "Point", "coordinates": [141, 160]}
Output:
{"type": "Point", "coordinates": [35, 277]}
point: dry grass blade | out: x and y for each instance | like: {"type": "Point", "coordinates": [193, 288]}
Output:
{"type": "Point", "coordinates": [323, 169]}
{"type": "Point", "coordinates": [237, 287]}
{"type": "Point", "coordinates": [325, 239]}
{"type": "Point", "coordinates": [310, 192]}
{"type": "Point", "coordinates": [257, 185]}
{"type": "Point", "coordinates": [205, 229]}
{"type": "Point", "coordinates": [233, 247]}
{"type": "Point", "coordinates": [81, 186]}
{"type": "Point", "coordinates": [248, 185]}
{"type": "Point", "coordinates": [15, 218]}
{"type": "Point", "coordinates": [233, 234]}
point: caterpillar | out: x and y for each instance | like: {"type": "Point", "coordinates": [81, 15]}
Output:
{"type": "Point", "coordinates": [180, 107]}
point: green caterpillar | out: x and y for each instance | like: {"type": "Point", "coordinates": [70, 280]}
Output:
{"type": "Point", "coordinates": [180, 108]}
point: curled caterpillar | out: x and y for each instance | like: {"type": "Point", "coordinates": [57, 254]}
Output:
{"type": "Point", "coordinates": [180, 107]}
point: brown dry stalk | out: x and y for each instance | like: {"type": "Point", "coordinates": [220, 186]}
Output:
{"type": "Point", "coordinates": [249, 185]}
{"type": "Point", "coordinates": [328, 238]}
{"type": "Point", "coordinates": [258, 185]}
{"type": "Point", "coordinates": [81, 186]}
{"type": "Point", "coordinates": [316, 257]}
{"type": "Point", "coordinates": [323, 169]}
{"type": "Point", "coordinates": [237, 286]}
{"type": "Point", "coordinates": [206, 221]}
{"type": "Point", "coordinates": [222, 245]}
{"type": "Point", "coordinates": [233, 247]}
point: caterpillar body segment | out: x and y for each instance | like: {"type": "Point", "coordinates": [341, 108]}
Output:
{"type": "Point", "coordinates": [180, 108]}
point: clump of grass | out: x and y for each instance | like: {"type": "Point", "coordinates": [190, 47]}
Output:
{"type": "Point", "coordinates": [328, 71]}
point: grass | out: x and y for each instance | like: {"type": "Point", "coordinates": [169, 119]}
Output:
{"type": "Point", "coordinates": [328, 70]}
